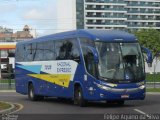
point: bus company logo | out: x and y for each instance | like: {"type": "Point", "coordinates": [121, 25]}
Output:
{"type": "Point", "coordinates": [63, 64]}
{"type": "Point", "coordinates": [63, 67]}
{"type": "Point", "coordinates": [48, 67]}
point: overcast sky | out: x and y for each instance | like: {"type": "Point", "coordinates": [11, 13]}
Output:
{"type": "Point", "coordinates": [39, 14]}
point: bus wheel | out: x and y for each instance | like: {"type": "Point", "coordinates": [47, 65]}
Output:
{"type": "Point", "coordinates": [31, 94]}
{"type": "Point", "coordinates": [78, 97]}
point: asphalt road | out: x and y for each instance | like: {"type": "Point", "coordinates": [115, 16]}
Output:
{"type": "Point", "coordinates": [151, 105]}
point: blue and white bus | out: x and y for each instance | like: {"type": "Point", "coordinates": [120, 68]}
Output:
{"type": "Point", "coordinates": [83, 65]}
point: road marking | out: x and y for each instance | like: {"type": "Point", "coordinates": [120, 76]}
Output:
{"type": "Point", "coordinates": [139, 111]}
{"type": "Point", "coordinates": [20, 108]}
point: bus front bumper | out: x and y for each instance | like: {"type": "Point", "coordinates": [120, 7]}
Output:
{"type": "Point", "coordinates": [108, 93]}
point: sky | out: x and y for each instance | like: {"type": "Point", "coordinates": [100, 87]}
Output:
{"type": "Point", "coordinates": [40, 15]}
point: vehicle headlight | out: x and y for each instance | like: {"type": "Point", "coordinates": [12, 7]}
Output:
{"type": "Point", "coordinates": [142, 87]}
{"type": "Point", "coordinates": [103, 87]}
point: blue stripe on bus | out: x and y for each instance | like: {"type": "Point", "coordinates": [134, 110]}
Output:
{"type": "Point", "coordinates": [31, 68]}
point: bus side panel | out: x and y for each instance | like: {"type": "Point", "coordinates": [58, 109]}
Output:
{"type": "Point", "coordinates": [54, 78]}
{"type": "Point", "coordinates": [21, 80]}
{"type": "Point", "coordinates": [61, 91]}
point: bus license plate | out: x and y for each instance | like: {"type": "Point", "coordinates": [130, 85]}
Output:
{"type": "Point", "coordinates": [124, 96]}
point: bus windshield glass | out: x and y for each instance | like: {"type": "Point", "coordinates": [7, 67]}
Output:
{"type": "Point", "coordinates": [120, 62]}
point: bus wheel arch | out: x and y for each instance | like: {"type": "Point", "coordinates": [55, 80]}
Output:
{"type": "Point", "coordinates": [31, 92]}
{"type": "Point", "coordinates": [78, 95]}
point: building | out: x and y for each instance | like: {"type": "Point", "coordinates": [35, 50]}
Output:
{"type": "Point", "coordinates": [108, 14]}
{"type": "Point", "coordinates": [6, 30]}
{"type": "Point", "coordinates": [143, 14]}
{"type": "Point", "coordinates": [121, 14]}
{"type": "Point", "coordinates": [7, 35]}
{"type": "Point", "coordinates": [105, 14]}
{"type": "Point", "coordinates": [22, 35]}
{"type": "Point", "coordinates": [8, 41]}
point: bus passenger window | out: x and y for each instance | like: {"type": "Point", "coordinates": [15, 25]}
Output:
{"type": "Point", "coordinates": [72, 52]}
{"type": "Point", "coordinates": [28, 52]}
{"type": "Point", "coordinates": [39, 52]}
{"type": "Point", "coordinates": [49, 53]}
{"type": "Point", "coordinates": [20, 50]}
{"type": "Point", "coordinates": [60, 50]}
{"type": "Point", "coordinates": [67, 50]}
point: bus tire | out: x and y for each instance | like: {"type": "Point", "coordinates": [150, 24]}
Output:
{"type": "Point", "coordinates": [31, 94]}
{"type": "Point", "coordinates": [78, 97]}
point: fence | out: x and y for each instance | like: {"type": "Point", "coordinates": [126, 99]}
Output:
{"type": "Point", "coordinates": [153, 74]}
{"type": "Point", "coordinates": [7, 84]}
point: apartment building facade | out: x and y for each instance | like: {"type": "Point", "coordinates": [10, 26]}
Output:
{"type": "Point", "coordinates": [118, 14]}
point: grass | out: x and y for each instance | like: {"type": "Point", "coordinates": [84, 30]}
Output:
{"type": "Point", "coordinates": [4, 106]}
{"type": "Point", "coordinates": [152, 77]}
{"type": "Point", "coordinates": [153, 89]}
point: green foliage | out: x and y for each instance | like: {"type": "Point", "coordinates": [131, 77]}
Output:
{"type": "Point", "coordinates": [153, 89]}
{"type": "Point", "coordinates": [149, 38]}
{"type": "Point", "coordinates": [153, 77]}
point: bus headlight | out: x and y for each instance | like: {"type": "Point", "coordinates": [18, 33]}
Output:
{"type": "Point", "coordinates": [142, 87]}
{"type": "Point", "coordinates": [103, 87]}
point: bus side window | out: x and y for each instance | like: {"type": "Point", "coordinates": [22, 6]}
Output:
{"type": "Point", "coordinates": [49, 53]}
{"type": "Point", "coordinates": [60, 50]}
{"type": "Point", "coordinates": [39, 55]}
{"type": "Point", "coordinates": [67, 50]}
{"type": "Point", "coordinates": [72, 51]}
{"type": "Point", "coordinates": [29, 55]}
{"type": "Point", "coordinates": [20, 53]}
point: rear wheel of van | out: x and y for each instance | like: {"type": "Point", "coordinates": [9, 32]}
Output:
{"type": "Point", "coordinates": [78, 97]}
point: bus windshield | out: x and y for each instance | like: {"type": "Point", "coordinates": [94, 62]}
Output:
{"type": "Point", "coordinates": [120, 62]}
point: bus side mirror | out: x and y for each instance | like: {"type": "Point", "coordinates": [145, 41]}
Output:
{"type": "Point", "coordinates": [148, 56]}
{"type": "Point", "coordinates": [95, 54]}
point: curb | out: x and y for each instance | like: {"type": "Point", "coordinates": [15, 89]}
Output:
{"type": "Point", "coordinates": [153, 93]}
{"type": "Point", "coordinates": [7, 110]}
{"type": "Point", "coordinates": [4, 91]}
{"type": "Point", "coordinates": [152, 82]}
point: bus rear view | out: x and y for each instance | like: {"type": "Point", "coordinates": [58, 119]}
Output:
{"type": "Point", "coordinates": [101, 65]}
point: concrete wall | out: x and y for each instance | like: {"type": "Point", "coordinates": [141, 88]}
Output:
{"type": "Point", "coordinates": [155, 65]}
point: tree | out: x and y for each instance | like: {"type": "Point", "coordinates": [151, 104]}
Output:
{"type": "Point", "coordinates": [150, 38]}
